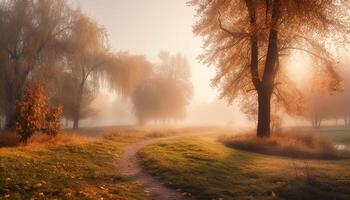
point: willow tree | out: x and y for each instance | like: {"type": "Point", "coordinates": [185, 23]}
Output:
{"type": "Point", "coordinates": [250, 40]}
{"type": "Point", "coordinates": [90, 63]}
{"type": "Point", "coordinates": [125, 73]}
{"type": "Point", "coordinates": [165, 94]}
{"type": "Point", "coordinates": [87, 54]}
{"type": "Point", "coordinates": [30, 30]}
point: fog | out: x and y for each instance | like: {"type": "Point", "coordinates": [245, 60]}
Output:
{"type": "Point", "coordinates": [137, 62]}
{"type": "Point", "coordinates": [170, 29]}
{"type": "Point", "coordinates": [150, 27]}
{"type": "Point", "coordinates": [174, 99]}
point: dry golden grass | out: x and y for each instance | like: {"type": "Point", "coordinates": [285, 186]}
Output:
{"type": "Point", "coordinates": [11, 139]}
{"type": "Point", "coordinates": [305, 145]}
{"type": "Point", "coordinates": [161, 133]}
{"type": "Point", "coordinates": [61, 139]}
{"type": "Point", "coordinates": [150, 132]}
{"type": "Point", "coordinates": [77, 169]}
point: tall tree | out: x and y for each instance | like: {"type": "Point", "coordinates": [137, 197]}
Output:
{"type": "Point", "coordinates": [47, 40]}
{"type": "Point", "coordinates": [30, 29]}
{"type": "Point", "coordinates": [87, 53]}
{"type": "Point", "coordinates": [249, 40]}
{"type": "Point", "coordinates": [90, 62]}
{"type": "Point", "coordinates": [68, 85]}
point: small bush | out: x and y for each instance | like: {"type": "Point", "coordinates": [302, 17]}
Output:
{"type": "Point", "coordinates": [290, 145]}
{"type": "Point", "coordinates": [33, 114]}
{"type": "Point", "coordinates": [30, 112]}
{"type": "Point", "coordinates": [52, 121]}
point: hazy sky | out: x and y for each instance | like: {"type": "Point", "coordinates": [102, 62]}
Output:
{"type": "Point", "coordinates": [150, 26]}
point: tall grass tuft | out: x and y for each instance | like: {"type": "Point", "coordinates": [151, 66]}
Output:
{"type": "Point", "coordinates": [303, 145]}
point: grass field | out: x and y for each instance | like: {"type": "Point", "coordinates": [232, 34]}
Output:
{"type": "Point", "coordinates": [207, 169]}
{"type": "Point", "coordinates": [76, 167]}
{"type": "Point", "coordinates": [77, 170]}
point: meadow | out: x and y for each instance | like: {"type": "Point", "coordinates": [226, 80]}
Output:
{"type": "Point", "coordinates": [206, 168]}
{"type": "Point", "coordinates": [74, 167]}
{"type": "Point", "coordinates": [193, 161]}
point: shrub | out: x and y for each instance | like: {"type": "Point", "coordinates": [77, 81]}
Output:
{"type": "Point", "coordinates": [52, 121]}
{"type": "Point", "coordinates": [33, 114]}
{"type": "Point", "coordinates": [31, 111]}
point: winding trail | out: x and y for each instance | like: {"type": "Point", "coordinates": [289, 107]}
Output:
{"type": "Point", "coordinates": [129, 166]}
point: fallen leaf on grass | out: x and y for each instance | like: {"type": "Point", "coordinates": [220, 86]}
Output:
{"type": "Point", "coordinates": [38, 185]}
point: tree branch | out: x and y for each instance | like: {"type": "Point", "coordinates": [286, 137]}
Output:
{"type": "Point", "coordinates": [233, 34]}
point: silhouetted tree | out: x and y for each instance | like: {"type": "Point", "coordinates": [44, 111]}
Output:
{"type": "Point", "coordinates": [248, 39]}
{"type": "Point", "coordinates": [87, 53]}
{"type": "Point", "coordinates": [67, 85]}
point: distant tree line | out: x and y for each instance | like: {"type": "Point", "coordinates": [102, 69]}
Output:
{"type": "Point", "coordinates": [322, 105]}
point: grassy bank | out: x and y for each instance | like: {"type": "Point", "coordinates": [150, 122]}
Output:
{"type": "Point", "coordinates": [207, 169]}
{"type": "Point", "coordinates": [303, 146]}
{"type": "Point", "coordinates": [70, 169]}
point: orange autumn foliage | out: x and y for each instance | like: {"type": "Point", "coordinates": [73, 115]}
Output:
{"type": "Point", "coordinates": [33, 114]}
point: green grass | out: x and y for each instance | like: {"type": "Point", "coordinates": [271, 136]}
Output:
{"type": "Point", "coordinates": [86, 170]}
{"type": "Point", "coordinates": [207, 169]}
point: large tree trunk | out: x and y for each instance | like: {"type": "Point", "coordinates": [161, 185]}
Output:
{"type": "Point", "coordinates": [264, 114]}
{"type": "Point", "coordinates": [268, 80]}
{"type": "Point", "coordinates": [265, 86]}
{"type": "Point", "coordinates": [15, 85]}
{"type": "Point", "coordinates": [10, 99]}
{"type": "Point", "coordinates": [78, 103]}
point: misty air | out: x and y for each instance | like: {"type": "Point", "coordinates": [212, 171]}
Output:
{"type": "Point", "coordinates": [175, 99]}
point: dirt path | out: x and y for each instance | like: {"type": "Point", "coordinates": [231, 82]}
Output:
{"type": "Point", "coordinates": [128, 164]}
